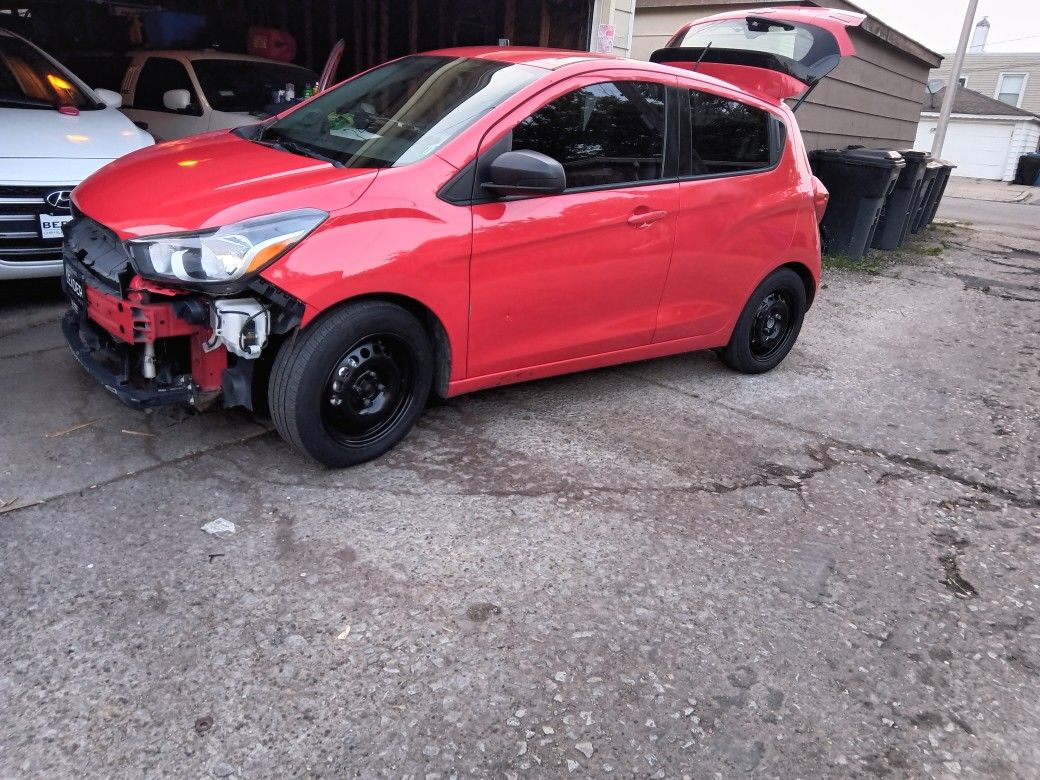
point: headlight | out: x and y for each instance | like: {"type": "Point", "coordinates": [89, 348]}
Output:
{"type": "Point", "coordinates": [225, 254]}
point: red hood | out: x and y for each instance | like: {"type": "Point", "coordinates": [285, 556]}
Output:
{"type": "Point", "coordinates": [211, 180]}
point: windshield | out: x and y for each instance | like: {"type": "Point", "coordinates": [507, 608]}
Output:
{"type": "Point", "coordinates": [30, 79]}
{"type": "Point", "coordinates": [401, 112]}
{"type": "Point", "coordinates": [244, 86]}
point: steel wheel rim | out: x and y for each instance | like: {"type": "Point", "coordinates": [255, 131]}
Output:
{"type": "Point", "coordinates": [368, 390]}
{"type": "Point", "coordinates": [772, 325]}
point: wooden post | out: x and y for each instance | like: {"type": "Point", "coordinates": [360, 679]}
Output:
{"type": "Point", "coordinates": [543, 34]}
{"type": "Point", "coordinates": [359, 41]}
{"type": "Point", "coordinates": [333, 23]}
{"type": "Point", "coordinates": [384, 31]}
{"type": "Point", "coordinates": [509, 25]}
{"type": "Point", "coordinates": [370, 30]}
{"type": "Point", "coordinates": [308, 32]}
{"type": "Point", "coordinates": [413, 27]}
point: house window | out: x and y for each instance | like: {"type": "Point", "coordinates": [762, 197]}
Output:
{"type": "Point", "coordinates": [1010, 88]}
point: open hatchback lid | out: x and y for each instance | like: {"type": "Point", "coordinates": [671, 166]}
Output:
{"type": "Point", "coordinates": [773, 53]}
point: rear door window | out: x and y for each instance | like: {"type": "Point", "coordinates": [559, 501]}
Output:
{"type": "Point", "coordinates": [158, 76]}
{"type": "Point", "coordinates": [603, 134]}
{"type": "Point", "coordinates": [727, 136]}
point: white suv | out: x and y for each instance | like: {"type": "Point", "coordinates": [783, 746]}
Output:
{"type": "Point", "coordinates": [54, 132]}
{"type": "Point", "coordinates": [172, 94]}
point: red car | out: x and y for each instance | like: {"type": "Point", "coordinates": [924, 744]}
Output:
{"type": "Point", "coordinates": [459, 220]}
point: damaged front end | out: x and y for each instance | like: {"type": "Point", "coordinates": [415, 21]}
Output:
{"type": "Point", "coordinates": [151, 343]}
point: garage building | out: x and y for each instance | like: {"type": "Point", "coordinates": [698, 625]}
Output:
{"type": "Point", "coordinates": [985, 137]}
{"type": "Point", "coordinates": [93, 37]}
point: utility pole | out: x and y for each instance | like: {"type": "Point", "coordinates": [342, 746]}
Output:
{"type": "Point", "coordinates": [954, 84]}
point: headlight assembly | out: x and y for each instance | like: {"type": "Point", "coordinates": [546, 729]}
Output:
{"type": "Point", "coordinates": [226, 254]}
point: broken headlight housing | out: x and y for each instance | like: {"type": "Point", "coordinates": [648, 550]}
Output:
{"type": "Point", "coordinates": [226, 254]}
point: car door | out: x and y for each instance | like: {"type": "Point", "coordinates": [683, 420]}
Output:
{"type": "Point", "coordinates": [158, 75]}
{"type": "Point", "coordinates": [741, 198]}
{"type": "Point", "coordinates": [579, 273]}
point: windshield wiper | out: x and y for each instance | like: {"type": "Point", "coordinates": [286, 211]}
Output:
{"type": "Point", "coordinates": [306, 151]}
{"type": "Point", "coordinates": [24, 102]}
{"type": "Point", "coordinates": [294, 147]}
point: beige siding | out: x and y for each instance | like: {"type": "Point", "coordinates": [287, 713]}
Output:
{"type": "Point", "coordinates": [983, 72]}
{"type": "Point", "coordinates": [872, 99]}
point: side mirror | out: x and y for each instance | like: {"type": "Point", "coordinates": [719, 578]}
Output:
{"type": "Point", "coordinates": [108, 97]}
{"type": "Point", "coordinates": [176, 99]}
{"type": "Point", "coordinates": [524, 172]}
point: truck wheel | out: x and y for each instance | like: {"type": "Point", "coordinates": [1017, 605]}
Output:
{"type": "Point", "coordinates": [352, 385]}
{"type": "Point", "coordinates": [769, 325]}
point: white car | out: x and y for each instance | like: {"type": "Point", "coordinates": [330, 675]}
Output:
{"type": "Point", "coordinates": [54, 132]}
{"type": "Point", "coordinates": [172, 94]}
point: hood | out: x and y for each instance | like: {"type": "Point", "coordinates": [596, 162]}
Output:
{"type": "Point", "coordinates": [211, 180]}
{"type": "Point", "coordinates": [102, 134]}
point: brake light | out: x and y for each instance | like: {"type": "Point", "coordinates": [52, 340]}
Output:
{"type": "Point", "coordinates": [820, 198]}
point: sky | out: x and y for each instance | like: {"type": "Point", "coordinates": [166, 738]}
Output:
{"type": "Point", "coordinates": [1015, 24]}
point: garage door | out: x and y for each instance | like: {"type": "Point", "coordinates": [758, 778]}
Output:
{"type": "Point", "coordinates": [979, 149]}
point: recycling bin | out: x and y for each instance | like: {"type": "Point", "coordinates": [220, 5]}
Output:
{"type": "Point", "coordinates": [859, 181]}
{"type": "Point", "coordinates": [931, 172]}
{"type": "Point", "coordinates": [894, 224]}
{"type": "Point", "coordinates": [938, 190]}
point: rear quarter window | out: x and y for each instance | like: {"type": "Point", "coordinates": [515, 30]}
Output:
{"type": "Point", "coordinates": [728, 136]}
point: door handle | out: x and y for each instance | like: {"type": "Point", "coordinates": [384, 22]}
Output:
{"type": "Point", "coordinates": [645, 219]}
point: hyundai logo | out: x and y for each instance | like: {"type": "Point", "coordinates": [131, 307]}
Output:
{"type": "Point", "coordinates": [59, 199]}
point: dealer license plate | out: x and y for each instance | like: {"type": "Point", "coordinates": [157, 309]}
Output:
{"type": "Point", "coordinates": [51, 225]}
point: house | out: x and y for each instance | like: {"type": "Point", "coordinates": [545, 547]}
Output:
{"type": "Point", "coordinates": [995, 113]}
{"type": "Point", "coordinates": [1010, 78]}
{"type": "Point", "coordinates": [872, 99]}
{"type": "Point", "coordinates": [985, 136]}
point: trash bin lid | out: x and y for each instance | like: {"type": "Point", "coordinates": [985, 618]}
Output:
{"type": "Point", "coordinates": [912, 155]}
{"type": "Point", "coordinates": [874, 158]}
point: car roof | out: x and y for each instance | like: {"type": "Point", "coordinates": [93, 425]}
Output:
{"type": "Point", "coordinates": [550, 59]}
{"type": "Point", "coordinates": [556, 59]}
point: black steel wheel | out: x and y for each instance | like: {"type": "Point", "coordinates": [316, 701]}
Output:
{"type": "Point", "coordinates": [769, 325]}
{"type": "Point", "coordinates": [352, 385]}
{"type": "Point", "coordinates": [368, 390]}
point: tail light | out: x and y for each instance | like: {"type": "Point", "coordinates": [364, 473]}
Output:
{"type": "Point", "coordinates": [820, 198]}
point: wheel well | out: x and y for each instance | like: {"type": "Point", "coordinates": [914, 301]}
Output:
{"type": "Point", "coordinates": [431, 322]}
{"type": "Point", "coordinates": [807, 281]}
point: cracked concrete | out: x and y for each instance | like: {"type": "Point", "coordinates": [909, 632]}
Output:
{"type": "Point", "coordinates": [659, 569]}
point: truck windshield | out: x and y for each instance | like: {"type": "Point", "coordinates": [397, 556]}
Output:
{"type": "Point", "coordinates": [31, 79]}
{"type": "Point", "coordinates": [400, 112]}
{"type": "Point", "coordinates": [244, 86]}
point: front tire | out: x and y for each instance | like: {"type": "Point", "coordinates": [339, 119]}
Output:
{"type": "Point", "coordinates": [769, 325]}
{"type": "Point", "coordinates": [351, 386]}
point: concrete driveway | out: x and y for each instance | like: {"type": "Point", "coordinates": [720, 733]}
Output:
{"type": "Point", "coordinates": [663, 569]}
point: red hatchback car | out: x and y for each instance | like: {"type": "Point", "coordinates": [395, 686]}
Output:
{"type": "Point", "coordinates": [459, 220]}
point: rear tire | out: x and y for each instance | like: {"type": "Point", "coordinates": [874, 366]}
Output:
{"type": "Point", "coordinates": [352, 385]}
{"type": "Point", "coordinates": [769, 325]}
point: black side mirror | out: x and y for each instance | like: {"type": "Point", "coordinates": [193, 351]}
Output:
{"type": "Point", "coordinates": [524, 172]}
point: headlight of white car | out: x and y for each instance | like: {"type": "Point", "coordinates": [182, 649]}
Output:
{"type": "Point", "coordinates": [226, 254]}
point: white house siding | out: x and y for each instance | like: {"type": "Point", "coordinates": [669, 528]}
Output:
{"type": "Point", "coordinates": [983, 147]}
{"type": "Point", "coordinates": [1026, 139]}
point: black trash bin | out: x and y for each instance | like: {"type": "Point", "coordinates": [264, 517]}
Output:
{"type": "Point", "coordinates": [1028, 172]}
{"type": "Point", "coordinates": [938, 189]}
{"type": "Point", "coordinates": [859, 180]}
{"type": "Point", "coordinates": [894, 224]}
{"type": "Point", "coordinates": [924, 200]}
